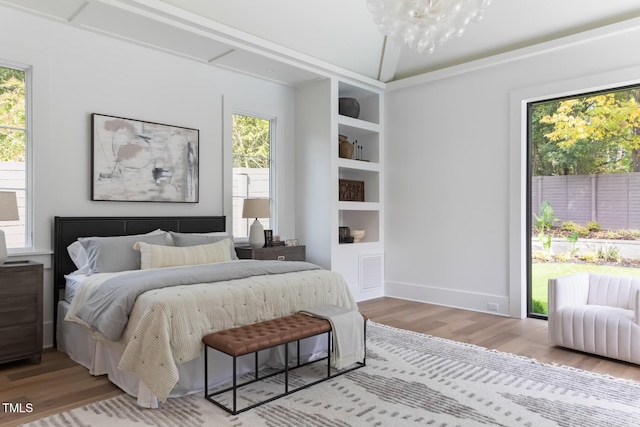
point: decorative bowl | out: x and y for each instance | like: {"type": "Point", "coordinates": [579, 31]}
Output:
{"type": "Point", "coordinates": [349, 107]}
{"type": "Point", "coordinates": [357, 235]}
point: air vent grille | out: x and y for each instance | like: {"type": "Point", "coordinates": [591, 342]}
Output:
{"type": "Point", "coordinates": [371, 274]}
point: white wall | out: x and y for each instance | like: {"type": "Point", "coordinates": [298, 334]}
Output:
{"type": "Point", "coordinates": [76, 73]}
{"type": "Point", "coordinates": [452, 239]}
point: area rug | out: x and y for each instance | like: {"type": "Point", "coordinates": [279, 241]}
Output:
{"type": "Point", "coordinates": [410, 380]}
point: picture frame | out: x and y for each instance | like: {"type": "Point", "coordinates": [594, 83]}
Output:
{"type": "Point", "coordinates": [291, 242]}
{"type": "Point", "coordinates": [139, 161]}
{"type": "Point", "coordinates": [350, 190]}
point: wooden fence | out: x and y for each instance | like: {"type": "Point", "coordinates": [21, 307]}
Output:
{"type": "Point", "coordinates": [613, 200]}
{"type": "Point", "coordinates": [248, 182]}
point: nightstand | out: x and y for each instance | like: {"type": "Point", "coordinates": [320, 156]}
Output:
{"type": "Point", "coordinates": [20, 311]}
{"type": "Point", "coordinates": [281, 253]}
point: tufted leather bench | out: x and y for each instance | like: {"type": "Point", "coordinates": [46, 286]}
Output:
{"type": "Point", "coordinates": [259, 336]}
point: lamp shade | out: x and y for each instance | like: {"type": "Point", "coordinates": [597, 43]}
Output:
{"type": "Point", "coordinates": [8, 212]}
{"type": "Point", "coordinates": [256, 208]}
{"type": "Point", "coordinates": [8, 206]}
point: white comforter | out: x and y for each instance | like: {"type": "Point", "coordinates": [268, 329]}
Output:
{"type": "Point", "coordinates": [166, 325]}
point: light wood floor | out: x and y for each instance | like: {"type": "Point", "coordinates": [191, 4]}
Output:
{"type": "Point", "coordinates": [59, 384]}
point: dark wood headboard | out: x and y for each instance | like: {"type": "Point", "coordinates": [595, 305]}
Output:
{"type": "Point", "coordinates": [68, 229]}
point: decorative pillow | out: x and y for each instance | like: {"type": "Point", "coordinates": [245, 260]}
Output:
{"type": "Point", "coordinates": [112, 254]}
{"type": "Point", "coordinates": [154, 256]}
{"type": "Point", "coordinates": [192, 239]}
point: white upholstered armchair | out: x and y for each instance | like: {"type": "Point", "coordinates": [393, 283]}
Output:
{"type": "Point", "coordinates": [597, 314]}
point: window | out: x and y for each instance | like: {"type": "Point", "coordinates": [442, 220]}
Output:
{"type": "Point", "coordinates": [14, 134]}
{"type": "Point", "coordinates": [252, 167]}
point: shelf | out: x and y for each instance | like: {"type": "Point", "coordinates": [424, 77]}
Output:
{"type": "Point", "coordinates": [368, 220]}
{"type": "Point", "coordinates": [348, 124]}
{"type": "Point", "coordinates": [358, 165]}
{"type": "Point", "coordinates": [359, 206]}
{"type": "Point", "coordinates": [359, 247]}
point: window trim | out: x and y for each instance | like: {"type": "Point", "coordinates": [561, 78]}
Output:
{"type": "Point", "coordinates": [28, 129]}
{"type": "Point", "coordinates": [238, 106]}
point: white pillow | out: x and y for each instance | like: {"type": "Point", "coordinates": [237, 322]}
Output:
{"type": "Point", "coordinates": [157, 256]}
{"type": "Point", "coordinates": [78, 255]}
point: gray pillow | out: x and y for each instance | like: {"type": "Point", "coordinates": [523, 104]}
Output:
{"type": "Point", "coordinates": [189, 239]}
{"type": "Point", "coordinates": [113, 254]}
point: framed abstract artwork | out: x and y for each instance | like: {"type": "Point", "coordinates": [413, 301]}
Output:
{"type": "Point", "coordinates": [137, 161]}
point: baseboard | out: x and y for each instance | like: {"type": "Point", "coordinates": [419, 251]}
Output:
{"type": "Point", "coordinates": [448, 297]}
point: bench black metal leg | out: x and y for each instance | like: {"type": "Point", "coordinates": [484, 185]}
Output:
{"type": "Point", "coordinates": [206, 371]}
{"type": "Point", "coordinates": [256, 364]}
{"type": "Point", "coordinates": [286, 368]}
{"type": "Point", "coordinates": [328, 354]}
{"type": "Point", "coordinates": [235, 385]}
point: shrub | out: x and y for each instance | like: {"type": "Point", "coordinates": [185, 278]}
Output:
{"type": "Point", "coordinates": [593, 226]}
{"type": "Point", "coordinates": [539, 307]}
{"type": "Point", "coordinates": [631, 234]}
{"type": "Point", "coordinates": [564, 257]}
{"type": "Point", "coordinates": [570, 226]}
{"type": "Point", "coordinates": [547, 218]}
{"type": "Point", "coordinates": [541, 256]}
{"type": "Point", "coordinates": [609, 253]}
{"type": "Point", "coordinates": [589, 256]}
{"type": "Point", "coordinates": [574, 228]}
{"type": "Point", "coordinates": [612, 234]}
{"type": "Point", "coordinates": [545, 241]}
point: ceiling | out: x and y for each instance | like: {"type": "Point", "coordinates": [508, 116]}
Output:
{"type": "Point", "coordinates": [294, 41]}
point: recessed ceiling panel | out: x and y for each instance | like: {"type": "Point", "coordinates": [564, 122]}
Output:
{"type": "Point", "coordinates": [338, 32]}
{"type": "Point", "coordinates": [265, 68]}
{"type": "Point", "coordinates": [58, 9]}
{"type": "Point", "coordinates": [135, 27]}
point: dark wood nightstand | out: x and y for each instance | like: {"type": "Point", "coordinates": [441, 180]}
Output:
{"type": "Point", "coordinates": [281, 253]}
{"type": "Point", "coordinates": [20, 311]}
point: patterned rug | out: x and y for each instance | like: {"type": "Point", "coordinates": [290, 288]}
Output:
{"type": "Point", "coordinates": [410, 380]}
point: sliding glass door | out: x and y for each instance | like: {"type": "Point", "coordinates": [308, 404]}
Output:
{"type": "Point", "coordinates": [583, 188]}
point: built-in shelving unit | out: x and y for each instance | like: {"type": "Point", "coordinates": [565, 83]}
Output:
{"type": "Point", "coordinates": [318, 171]}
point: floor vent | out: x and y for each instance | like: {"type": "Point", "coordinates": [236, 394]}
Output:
{"type": "Point", "coordinates": [371, 275]}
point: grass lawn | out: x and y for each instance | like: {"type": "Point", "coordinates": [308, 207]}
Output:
{"type": "Point", "coordinates": [541, 272]}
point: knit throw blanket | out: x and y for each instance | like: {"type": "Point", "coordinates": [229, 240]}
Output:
{"type": "Point", "coordinates": [348, 333]}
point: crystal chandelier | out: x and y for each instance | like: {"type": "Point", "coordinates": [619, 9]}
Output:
{"type": "Point", "coordinates": [424, 24]}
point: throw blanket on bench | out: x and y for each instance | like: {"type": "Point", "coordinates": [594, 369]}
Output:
{"type": "Point", "coordinates": [348, 333]}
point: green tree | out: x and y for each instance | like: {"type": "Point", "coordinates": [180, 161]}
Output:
{"type": "Point", "coordinates": [251, 142]}
{"type": "Point", "coordinates": [12, 115]}
{"type": "Point", "coordinates": [546, 158]}
{"type": "Point", "coordinates": [597, 133]}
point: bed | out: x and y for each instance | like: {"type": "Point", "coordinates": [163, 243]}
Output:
{"type": "Point", "coordinates": [159, 353]}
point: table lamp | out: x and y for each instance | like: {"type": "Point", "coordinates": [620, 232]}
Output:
{"type": "Point", "coordinates": [256, 208]}
{"type": "Point", "coordinates": [8, 212]}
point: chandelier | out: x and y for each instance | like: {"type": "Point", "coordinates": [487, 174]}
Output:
{"type": "Point", "coordinates": [425, 24]}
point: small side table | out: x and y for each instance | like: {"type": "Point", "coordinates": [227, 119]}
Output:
{"type": "Point", "coordinates": [281, 253]}
{"type": "Point", "coordinates": [20, 311]}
